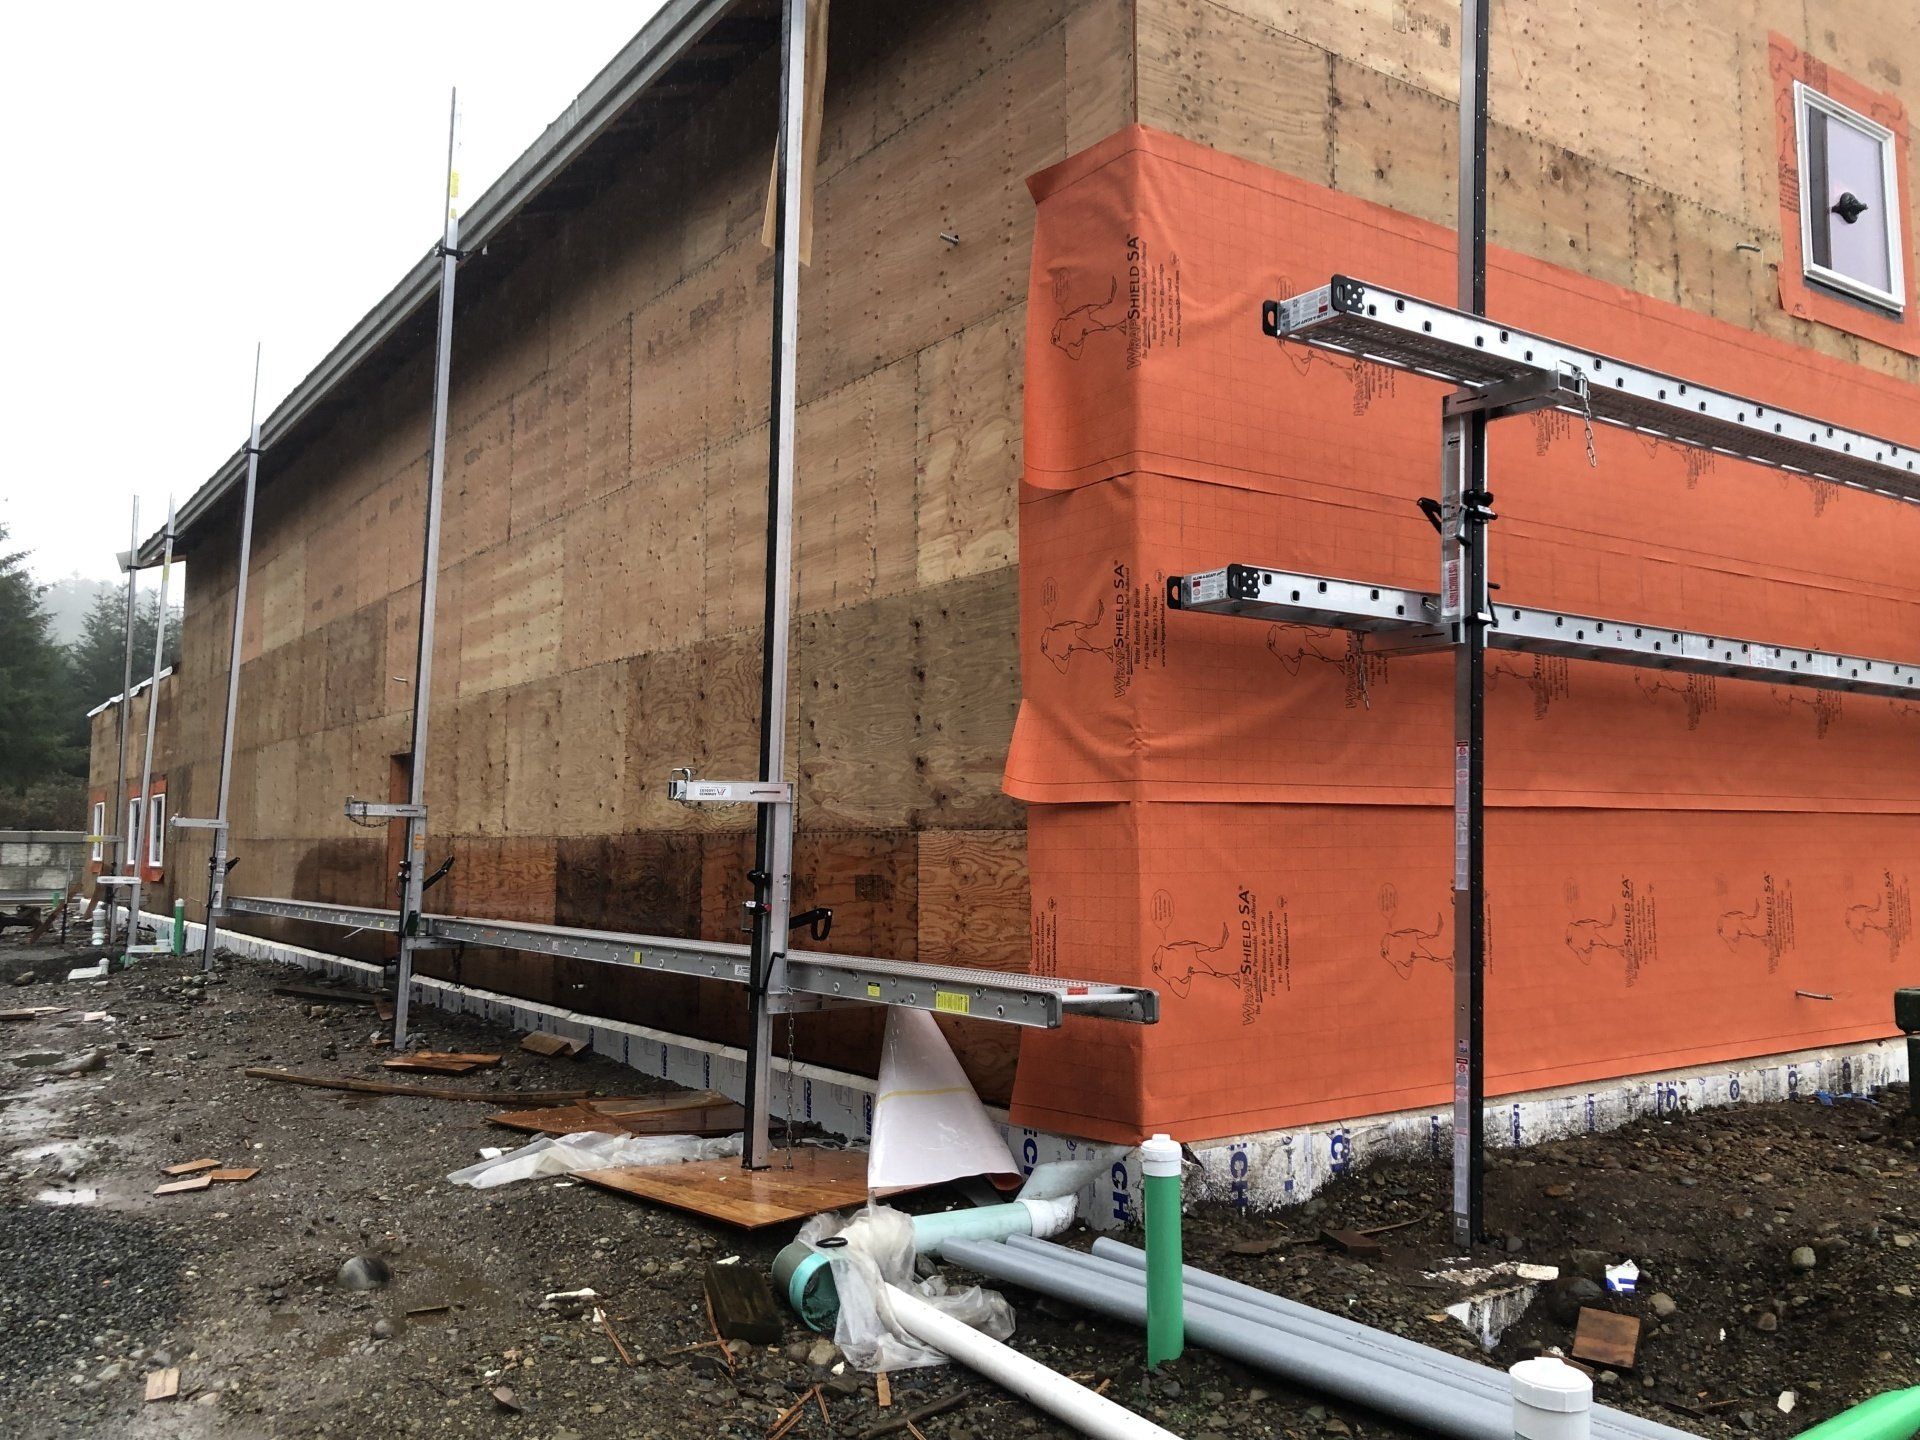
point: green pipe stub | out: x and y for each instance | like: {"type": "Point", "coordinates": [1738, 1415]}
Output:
{"type": "Point", "coordinates": [1892, 1416]}
{"type": "Point", "coordinates": [807, 1278]}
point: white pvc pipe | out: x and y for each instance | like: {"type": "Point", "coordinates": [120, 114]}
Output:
{"type": "Point", "coordinates": [1033, 1382]}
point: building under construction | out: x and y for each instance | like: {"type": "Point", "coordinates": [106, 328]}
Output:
{"type": "Point", "coordinates": [1033, 390]}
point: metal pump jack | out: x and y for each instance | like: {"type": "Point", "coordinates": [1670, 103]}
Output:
{"type": "Point", "coordinates": [1465, 511]}
{"type": "Point", "coordinates": [218, 861]}
{"type": "Point", "coordinates": [772, 876]}
{"type": "Point", "coordinates": [141, 839]}
{"type": "Point", "coordinates": [116, 850]}
{"type": "Point", "coordinates": [410, 879]}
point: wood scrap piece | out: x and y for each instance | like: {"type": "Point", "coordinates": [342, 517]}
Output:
{"type": "Point", "coordinates": [1361, 1247]}
{"type": "Point", "coordinates": [742, 1304]}
{"type": "Point", "coordinates": [619, 1349]}
{"type": "Point", "coordinates": [333, 994]}
{"type": "Point", "coordinates": [820, 1180]}
{"type": "Point", "coordinates": [1606, 1338]}
{"type": "Point", "coordinates": [163, 1384]}
{"type": "Point", "coordinates": [790, 1417]}
{"type": "Point", "coordinates": [558, 1046]}
{"type": "Point", "coordinates": [190, 1167]}
{"type": "Point", "coordinates": [422, 1092]}
{"type": "Point", "coordinates": [178, 1187]}
{"type": "Point", "coordinates": [236, 1175]}
{"type": "Point", "coordinates": [31, 1012]}
{"type": "Point", "coordinates": [882, 1389]}
{"type": "Point", "coordinates": [920, 1412]}
{"type": "Point", "coordinates": [710, 1114]}
{"type": "Point", "coordinates": [429, 1063]}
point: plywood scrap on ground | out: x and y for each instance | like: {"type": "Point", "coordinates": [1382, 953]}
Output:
{"type": "Point", "coordinates": [192, 1182]}
{"type": "Point", "coordinates": [819, 1180]}
{"type": "Point", "coordinates": [702, 1112]}
{"type": "Point", "coordinates": [31, 1012]}
{"type": "Point", "coordinates": [190, 1167]}
{"type": "Point", "coordinates": [234, 1175]}
{"type": "Point", "coordinates": [558, 1046]}
{"type": "Point", "coordinates": [1606, 1338]}
{"type": "Point", "coordinates": [163, 1384]}
{"type": "Point", "coordinates": [442, 1062]}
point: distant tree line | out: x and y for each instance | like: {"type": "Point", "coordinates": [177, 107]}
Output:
{"type": "Point", "coordinates": [47, 688]}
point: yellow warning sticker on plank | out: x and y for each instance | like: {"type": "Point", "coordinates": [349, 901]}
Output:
{"type": "Point", "coordinates": [951, 1002]}
{"type": "Point", "coordinates": [873, 990]}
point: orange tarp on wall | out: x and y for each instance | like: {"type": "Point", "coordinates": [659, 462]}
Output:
{"type": "Point", "coordinates": [1253, 818]}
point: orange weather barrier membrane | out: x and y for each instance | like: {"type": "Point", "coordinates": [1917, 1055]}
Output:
{"type": "Point", "coordinates": [1254, 818]}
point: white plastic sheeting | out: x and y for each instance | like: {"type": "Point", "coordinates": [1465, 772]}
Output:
{"type": "Point", "coordinates": [878, 1252]}
{"type": "Point", "coordinates": [591, 1150]}
{"type": "Point", "coordinates": [928, 1124]}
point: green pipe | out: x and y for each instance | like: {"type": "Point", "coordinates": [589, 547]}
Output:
{"type": "Point", "coordinates": [1892, 1416]}
{"type": "Point", "coordinates": [1166, 1288]}
{"type": "Point", "coordinates": [805, 1276]}
{"type": "Point", "coordinates": [179, 927]}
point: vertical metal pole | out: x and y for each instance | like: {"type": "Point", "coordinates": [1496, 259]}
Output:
{"type": "Point", "coordinates": [413, 858]}
{"type": "Point", "coordinates": [115, 852]}
{"type": "Point", "coordinates": [217, 864]}
{"type": "Point", "coordinates": [144, 841]}
{"type": "Point", "coordinates": [1464, 584]}
{"type": "Point", "coordinates": [773, 839]}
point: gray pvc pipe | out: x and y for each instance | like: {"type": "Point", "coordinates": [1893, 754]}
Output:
{"type": "Point", "coordinates": [1482, 1378]}
{"type": "Point", "coordinates": [1434, 1405]}
{"type": "Point", "coordinates": [1367, 1344]}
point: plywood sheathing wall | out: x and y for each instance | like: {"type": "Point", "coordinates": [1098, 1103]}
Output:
{"type": "Point", "coordinates": [1631, 139]}
{"type": "Point", "coordinates": [600, 588]}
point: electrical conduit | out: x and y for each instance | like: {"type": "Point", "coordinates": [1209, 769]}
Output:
{"type": "Point", "coordinates": [1033, 1382]}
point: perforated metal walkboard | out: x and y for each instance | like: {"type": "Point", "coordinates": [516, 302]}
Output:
{"type": "Point", "coordinates": [1042, 1001]}
{"type": "Point", "coordinates": [1408, 619]}
{"type": "Point", "coordinates": [1374, 323]}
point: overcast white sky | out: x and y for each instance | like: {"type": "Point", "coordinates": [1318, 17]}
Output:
{"type": "Point", "coordinates": [186, 179]}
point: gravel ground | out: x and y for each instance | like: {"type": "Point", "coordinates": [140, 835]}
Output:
{"type": "Point", "coordinates": [237, 1285]}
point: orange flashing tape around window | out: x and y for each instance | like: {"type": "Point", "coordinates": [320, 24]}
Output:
{"type": "Point", "coordinates": [1253, 818]}
{"type": "Point", "coordinates": [1786, 63]}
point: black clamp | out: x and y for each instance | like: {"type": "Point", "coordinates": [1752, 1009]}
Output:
{"type": "Point", "coordinates": [1475, 506]}
{"type": "Point", "coordinates": [442, 250]}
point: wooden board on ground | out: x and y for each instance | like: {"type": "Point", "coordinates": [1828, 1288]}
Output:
{"type": "Point", "coordinates": [700, 1113]}
{"type": "Point", "coordinates": [441, 1062]}
{"type": "Point", "coordinates": [190, 1167]}
{"type": "Point", "coordinates": [1606, 1338]}
{"type": "Point", "coordinates": [177, 1187]}
{"type": "Point", "coordinates": [742, 1304]}
{"type": "Point", "coordinates": [418, 1092]}
{"type": "Point", "coordinates": [163, 1384]}
{"type": "Point", "coordinates": [32, 1012]}
{"type": "Point", "coordinates": [234, 1176]}
{"type": "Point", "coordinates": [820, 1180]}
{"type": "Point", "coordinates": [333, 994]}
{"type": "Point", "coordinates": [558, 1046]}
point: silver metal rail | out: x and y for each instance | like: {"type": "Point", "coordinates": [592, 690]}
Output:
{"type": "Point", "coordinates": [1040, 1001]}
{"type": "Point", "coordinates": [1373, 323]}
{"type": "Point", "coordinates": [1395, 619]}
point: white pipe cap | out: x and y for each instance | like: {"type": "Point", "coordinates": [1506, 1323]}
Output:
{"type": "Point", "coordinates": [1160, 1156]}
{"type": "Point", "coordinates": [1545, 1383]}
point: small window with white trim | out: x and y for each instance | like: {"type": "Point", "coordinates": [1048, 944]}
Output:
{"type": "Point", "coordinates": [131, 850]}
{"type": "Point", "coordinates": [99, 831]}
{"type": "Point", "coordinates": [1849, 201]}
{"type": "Point", "coordinates": [156, 832]}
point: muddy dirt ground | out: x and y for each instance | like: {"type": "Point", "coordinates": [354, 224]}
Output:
{"type": "Point", "coordinates": [101, 1281]}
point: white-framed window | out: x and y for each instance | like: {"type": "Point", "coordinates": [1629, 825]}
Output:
{"type": "Point", "coordinates": [1850, 232]}
{"type": "Point", "coordinates": [132, 850]}
{"type": "Point", "coordinates": [156, 832]}
{"type": "Point", "coordinates": [99, 831]}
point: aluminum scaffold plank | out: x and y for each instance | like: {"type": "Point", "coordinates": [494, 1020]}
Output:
{"type": "Point", "coordinates": [1038, 1001]}
{"type": "Point", "coordinates": [1398, 620]}
{"type": "Point", "coordinates": [1370, 322]}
